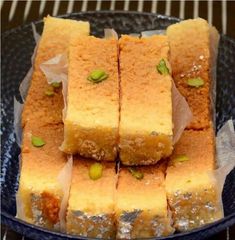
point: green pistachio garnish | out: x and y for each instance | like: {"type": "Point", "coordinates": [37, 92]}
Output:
{"type": "Point", "coordinates": [56, 84]}
{"type": "Point", "coordinates": [188, 181]}
{"type": "Point", "coordinates": [37, 141]}
{"type": "Point", "coordinates": [49, 93]}
{"type": "Point", "coordinates": [137, 174]}
{"type": "Point", "coordinates": [97, 76]}
{"type": "Point", "coordinates": [95, 171]}
{"type": "Point", "coordinates": [162, 68]}
{"type": "Point", "coordinates": [180, 158]}
{"type": "Point", "coordinates": [195, 82]}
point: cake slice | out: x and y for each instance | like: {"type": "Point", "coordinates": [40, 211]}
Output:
{"type": "Point", "coordinates": [92, 117]}
{"type": "Point", "coordinates": [191, 59]}
{"type": "Point", "coordinates": [192, 190]}
{"type": "Point", "coordinates": [141, 203]}
{"type": "Point", "coordinates": [146, 104]}
{"type": "Point", "coordinates": [43, 101]}
{"type": "Point", "coordinates": [40, 191]}
{"type": "Point", "coordinates": [90, 210]}
{"type": "Point", "coordinates": [41, 197]}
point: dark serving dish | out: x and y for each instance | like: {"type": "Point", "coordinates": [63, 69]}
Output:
{"type": "Point", "coordinates": [17, 48]}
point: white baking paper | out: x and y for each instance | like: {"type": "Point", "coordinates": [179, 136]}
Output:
{"type": "Point", "coordinates": [153, 32]}
{"type": "Point", "coordinates": [182, 114]}
{"type": "Point", "coordinates": [55, 69]}
{"type": "Point", "coordinates": [64, 178]}
{"type": "Point", "coordinates": [225, 156]}
{"type": "Point", "coordinates": [18, 108]}
{"type": "Point", "coordinates": [110, 33]}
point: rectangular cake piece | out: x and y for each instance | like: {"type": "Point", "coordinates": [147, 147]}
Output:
{"type": "Point", "coordinates": [91, 202]}
{"type": "Point", "coordinates": [54, 40]}
{"type": "Point", "coordinates": [146, 104]}
{"type": "Point", "coordinates": [141, 203]}
{"type": "Point", "coordinates": [92, 117]}
{"type": "Point", "coordinates": [191, 59]}
{"type": "Point", "coordinates": [192, 190]}
{"type": "Point", "coordinates": [40, 192]}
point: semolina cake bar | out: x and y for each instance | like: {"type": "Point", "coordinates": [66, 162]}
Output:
{"type": "Point", "coordinates": [191, 61]}
{"type": "Point", "coordinates": [40, 192]}
{"type": "Point", "coordinates": [192, 190]}
{"type": "Point", "coordinates": [92, 117]}
{"type": "Point", "coordinates": [141, 203]}
{"type": "Point", "coordinates": [91, 202]}
{"type": "Point", "coordinates": [44, 101]}
{"type": "Point", "coordinates": [146, 101]}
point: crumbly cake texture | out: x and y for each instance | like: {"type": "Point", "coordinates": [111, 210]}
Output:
{"type": "Point", "coordinates": [92, 117]}
{"type": "Point", "coordinates": [55, 37]}
{"type": "Point", "coordinates": [190, 57]}
{"type": "Point", "coordinates": [40, 192]}
{"type": "Point", "coordinates": [192, 190]}
{"type": "Point", "coordinates": [146, 104]}
{"type": "Point", "coordinates": [91, 202]}
{"type": "Point", "coordinates": [141, 205]}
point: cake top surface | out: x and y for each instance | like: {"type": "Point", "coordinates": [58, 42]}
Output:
{"type": "Point", "coordinates": [145, 92]}
{"type": "Point", "coordinates": [92, 196]}
{"type": "Point", "coordinates": [97, 104]}
{"type": "Point", "coordinates": [132, 192]}
{"type": "Point", "coordinates": [192, 161]}
{"type": "Point", "coordinates": [42, 165]}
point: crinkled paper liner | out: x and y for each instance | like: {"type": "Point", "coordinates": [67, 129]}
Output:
{"type": "Point", "coordinates": [65, 178]}
{"type": "Point", "coordinates": [55, 70]}
{"type": "Point", "coordinates": [65, 175]}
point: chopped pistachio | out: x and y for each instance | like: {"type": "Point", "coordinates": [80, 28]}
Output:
{"type": "Point", "coordinates": [137, 174]}
{"type": "Point", "coordinates": [56, 84]}
{"type": "Point", "coordinates": [162, 68]}
{"type": "Point", "coordinates": [37, 141]}
{"type": "Point", "coordinates": [49, 93]}
{"type": "Point", "coordinates": [188, 181]}
{"type": "Point", "coordinates": [181, 158]}
{"type": "Point", "coordinates": [154, 133]}
{"type": "Point", "coordinates": [195, 82]}
{"type": "Point", "coordinates": [97, 76]}
{"type": "Point", "coordinates": [95, 171]}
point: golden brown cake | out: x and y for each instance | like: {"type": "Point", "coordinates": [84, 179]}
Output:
{"type": "Point", "coordinates": [191, 57]}
{"type": "Point", "coordinates": [40, 192]}
{"type": "Point", "coordinates": [91, 202]}
{"type": "Point", "coordinates": [55, 37]}
{"type": "Point", "coordinates": [141, 203]}
{"type": "Point", "coordinates": [91, 121]}
{"type": "Point", "coordinates": [192, 190]}
{"type": "Point", "coordinates": [146, 107]}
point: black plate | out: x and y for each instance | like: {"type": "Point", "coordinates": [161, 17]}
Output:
{"type": "Point", "coordinates": [17, 47]}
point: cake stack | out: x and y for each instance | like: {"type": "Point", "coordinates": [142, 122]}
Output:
{"type": "Point", "coordinates": [127, 178]}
